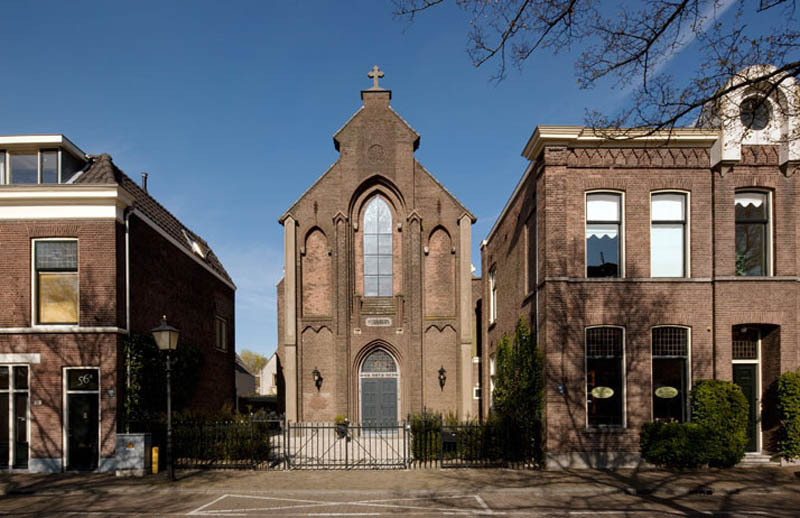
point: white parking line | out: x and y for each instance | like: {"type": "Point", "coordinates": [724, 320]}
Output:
{"type": "Point", "coordinates": [297, 504]}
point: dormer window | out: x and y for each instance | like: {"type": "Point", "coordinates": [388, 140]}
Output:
{"type": "Point", "coordinates": [37, 166]}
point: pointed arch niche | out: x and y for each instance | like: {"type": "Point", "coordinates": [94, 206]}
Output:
{"type": "Point", "coordinates": [316, 276]}
{"type": "Point", "coordinates": [440, 272]}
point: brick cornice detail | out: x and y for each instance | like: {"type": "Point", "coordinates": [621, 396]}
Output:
{"type": "Point", "coordinates": [693, 158]}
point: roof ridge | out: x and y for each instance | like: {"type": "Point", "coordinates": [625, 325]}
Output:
{"type": "Point", "coordinates": [104, 163]}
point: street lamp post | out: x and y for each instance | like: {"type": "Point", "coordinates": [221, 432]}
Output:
{"type": "Point", "coordinates": [166, 338]}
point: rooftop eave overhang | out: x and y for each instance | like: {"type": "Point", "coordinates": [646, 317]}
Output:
{"type": "Point", "coordinates": [581, 136]}
{"type": "Point", "coordinates": [56, 140]}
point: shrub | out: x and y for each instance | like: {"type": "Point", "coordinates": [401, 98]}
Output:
{"type": "Point", "coordinates": [789, 415]}
{"type": "Point", "coordinates": [722, 410]}
{"type": "Point", "coordinates": [676, 445]}
{"type": "Point", "coordinates": [717, 435]}
{"type": "Point", "coordinates": [426, 431]}
{"type": "Point", "coordinates": [519, 394]}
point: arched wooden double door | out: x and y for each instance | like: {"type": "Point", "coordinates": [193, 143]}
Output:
{"type": "Point", "coordinates": [379, 380]}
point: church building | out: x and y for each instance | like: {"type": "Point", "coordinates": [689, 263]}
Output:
{"type": "Point", "coordinates": [375, 309]}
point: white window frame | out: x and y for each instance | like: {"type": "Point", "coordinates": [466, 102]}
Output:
{"type": "Point", "coordinates": [493, 294]}
{"type": "Point", "coordinates": [6, 178]}
{"type": "Point", "coordinates": [34, 282]}
{"type": "Point", "coordinates": [492, 370]}
{"type": "Point", "coordinates": [759, 388]}
{"type": "Point", "coordinates": [689, 372]}
{"type": "Point", "coordinates": [10, 391]}
{"type": "Point", "coordinates": [65, 411]}
{"type": "Point", "coordinates": [770, 227]}
{"type": "Point", "coordinates": [624, 381]}
{"type": "Point", "coordinates": [622, 261]}
{"type": "Point", "coordinates": [687, 234]}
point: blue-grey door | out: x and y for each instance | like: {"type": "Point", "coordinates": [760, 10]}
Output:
{"type": "Point", "coordinates": [379, 401]}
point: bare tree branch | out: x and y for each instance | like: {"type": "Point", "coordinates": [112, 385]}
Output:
{"type": "Point", "coordinates": [634, 45]}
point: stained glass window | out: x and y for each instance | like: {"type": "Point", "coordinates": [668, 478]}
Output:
{"type": "Point", "coordinates": [379, 361]}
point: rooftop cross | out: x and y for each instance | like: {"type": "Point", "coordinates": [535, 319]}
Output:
{"type": "Point", "coordinates": [375, 74]}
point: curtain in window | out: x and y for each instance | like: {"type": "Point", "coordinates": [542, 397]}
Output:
{"type": "Point", "coordinates": [752, 239]}
{"type": "Point", "coordinates": [603, 219]}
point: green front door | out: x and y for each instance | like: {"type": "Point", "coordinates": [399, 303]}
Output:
{"type": "Point", "coordinates": [744, 375]}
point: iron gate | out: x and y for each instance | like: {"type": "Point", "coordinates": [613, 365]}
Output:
{"type": "Point", "coordinates": [346, 446]}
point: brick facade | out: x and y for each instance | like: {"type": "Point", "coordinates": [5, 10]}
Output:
{"type": "Point", "coordinates": [709, 301]}
{"type": "Point", "coordinates": [328, 322]}
{"type": "Point", "coordinates": [163, 279]}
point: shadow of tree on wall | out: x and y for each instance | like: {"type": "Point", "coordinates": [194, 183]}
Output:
{"type": "Point", "coordinates": [572, 306]}
{"type": "Point", "coordinates": [47, 387]}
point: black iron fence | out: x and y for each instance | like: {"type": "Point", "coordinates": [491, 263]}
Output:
{"type": "Point", "coordinates": [251, 444]}
{"type": "Point", "coordinates": [272, 444]}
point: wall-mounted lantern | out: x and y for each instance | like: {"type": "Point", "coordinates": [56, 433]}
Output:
{"type": "Point", "coordinates": [317, 378]}
{"type": "Point", "coordinates": [442, 377]}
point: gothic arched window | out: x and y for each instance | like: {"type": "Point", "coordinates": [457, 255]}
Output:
{"type": "Point", "coordinates": [377, 249]}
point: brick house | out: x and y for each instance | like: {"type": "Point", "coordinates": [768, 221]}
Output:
{"type": "Point", "coordinates": [75, 233]}
{"type": "Point", "coordinates": [376, 297]}
{"type": "Point", "coordinates": [648, 263]}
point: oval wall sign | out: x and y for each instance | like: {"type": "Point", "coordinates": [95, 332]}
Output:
{"type": "Point", "coordinates": [666, 392]}
{"type": "Point", "coordinates": [602, 392]}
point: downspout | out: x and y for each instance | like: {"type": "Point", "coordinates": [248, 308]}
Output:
{"type": "Point", "coordinates": [713, 274]}
{"type": "Point", "coordinates": [126, 217]}
{"type": "Point", "coordinates": [128, 269]}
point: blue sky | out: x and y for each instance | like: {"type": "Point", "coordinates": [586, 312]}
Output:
{"type": "Point", "coordinates": [231, 107]}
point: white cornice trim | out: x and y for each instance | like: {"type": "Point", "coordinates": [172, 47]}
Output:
{"type": "Point", "coordinates": [580, 136]}
{"type": "Point", "coordinates": [38, 202]}
{"type": "Point", "coordinates": [20, 358]}
{"type": "Point", "coordinates": [42, 140]}
{"type": "Point", "coordinates": [37, 330]}
{"type": "Point", "coordinates": [152, 224]}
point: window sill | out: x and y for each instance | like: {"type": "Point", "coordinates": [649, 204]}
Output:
{"type": "Point", "coordinates": [605, 429]}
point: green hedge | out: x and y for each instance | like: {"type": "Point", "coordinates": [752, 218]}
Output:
{"type": "Point", "coordinates": [716, 437]}
{"type": "Point", "coordinates": [677, 445]}
{"type": "Point", "coordinates": [789, 415]}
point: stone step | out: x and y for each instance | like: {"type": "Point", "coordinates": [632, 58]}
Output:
{"type": "Point", "coordinates": [757, 459]}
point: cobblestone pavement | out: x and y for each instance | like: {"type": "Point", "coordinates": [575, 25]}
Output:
{"type": "Point", "coordinates": [579, 494]}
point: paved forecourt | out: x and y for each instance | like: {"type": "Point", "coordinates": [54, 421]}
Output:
{"type": "Point", "coordinates": [579, 494]}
